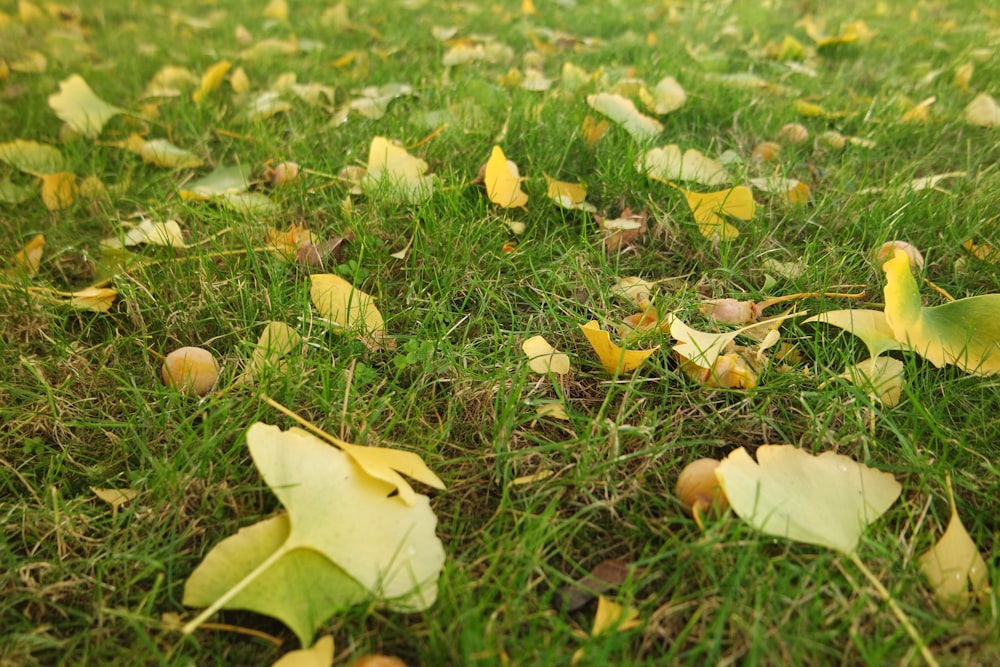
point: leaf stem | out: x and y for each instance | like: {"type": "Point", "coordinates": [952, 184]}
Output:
{"type": "Point", "coordinates": [897, 611]}
{"type": "Point", "coordinates": [761, 305]}
{"type": "Point", "coordinates": [221, 602]}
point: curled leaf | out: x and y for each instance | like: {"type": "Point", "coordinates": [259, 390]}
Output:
{"type": "Point", "coordinates": [543, 358]}
{"type": "Point", "coordinates": [614, 358]}
{"type": "Point", "coordinates": [668, 164]}
{"type": "Point", "coordinates": [503, 182]}
{"type": "Point", "coordinates": [622, 111]}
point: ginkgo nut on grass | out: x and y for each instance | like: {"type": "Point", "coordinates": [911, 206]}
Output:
{"type": "Point", "coordinates": [698, 488]}
{"type": "Point", "coordinates": [191, 370]}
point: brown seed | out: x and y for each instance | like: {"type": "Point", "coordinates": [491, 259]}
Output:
{"type": "Point", "coordinates": [698, 488]}
{"type": "Point", "coordinates": [793, 133]}
{"type": "Point", "coordinates": [191, 370]}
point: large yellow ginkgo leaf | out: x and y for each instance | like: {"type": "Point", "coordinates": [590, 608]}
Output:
{"type": "Point", "coordinates": [78, 106]}
{"type": "Point", "coordinates": [827, 500]}
{"type": "Point", "coordinates": [965, 332]}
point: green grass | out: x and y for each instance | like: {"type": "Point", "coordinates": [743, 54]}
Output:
{"type": "Point", "coordinates": [81, 402]}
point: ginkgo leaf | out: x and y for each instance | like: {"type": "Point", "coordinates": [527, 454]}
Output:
{"type": "Point", "coordinates": [828, 500]}
{"type": "Point", "coordinates": [709, 208]}
{"type": "Point", "coordinates": [161, 153]}
{"type": "Point", "coordinates": [28, 259]}
{"type": "Point", "coordinates": [634, 290]}
{"type": "Point", "coordinates": [611, 616]}
{"type": "Point", "coordinates": [392, 170]}
{"type": "Point", "coordinates": [115, 497]}
{"type": "Point", "coordinates": [277, 9]}
{"type": "Point", "coordinates": [701, 348]}
{"type": "Point", "coordinates": [168, 81]}
{"type": "Point", "coordinates": [78, 106]}
{"type": "Point", "coordinates": [667, 95]}
{"type": "Point", "coordinates": [792, 190]}
{"type": "Point", "coordinates": [32, 157]}
{"type": "Point", "coordinates": [338, 516]}
{"type": "Point", "coordinates": [247, 203]}
{"type": "Point", "coordinates": [302, 588]}
{"type": "Point", "coordinates": [98, 299]}
{"type": "Point", "coordinates": [11, 193]}
{"type": "Point", "coordinates": [223, 180]}
{"type": "Point", "coordinates": [569, 195]}
{"type": "Point", "coordinates": [503, 182]}
{"type": "Point", "coordinates": [965, 332]}
{"type": "Point", "coordinates": [277, 340]}
{"type": "Point", "coordinates": [58, 190]}
{"type": "Point", "coordinates": [210, 80]}
{"type": "Point", "coordinates": [613, 358]}
{"type": "Point", "coordinates": [622, 111]}
{"type": "Point", "coordinates": [668, 164]}
{"type": "Point", "coordinates": [543, 358]}
{"type": "Point", "coordinates": [881, 376]}
{"type": "Point", "coordinates": [868, 325]}
{"type": "Point", "coordinates": [386, 465]}
{"type": "Point", "coordinates": [319, 654]}
{"type": "Point", "coordinates": [344, 305]}
{"type": "Point", "coordinates": [983, 111]}
{"type": "Point", "coordinates": [152, 233]}
{"type": "Point", "coordinates": [954, 566]}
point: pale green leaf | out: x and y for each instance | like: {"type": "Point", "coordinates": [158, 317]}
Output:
{"type": "Point", "coordinates": [32, 157]}
{"type": "Point", "coordinates": [868, 325]}
{"type": "Point", "coordinates": [78, 106]}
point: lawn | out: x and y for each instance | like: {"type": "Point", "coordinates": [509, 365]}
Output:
{"type": "Point", "coordinates": [547, 474]}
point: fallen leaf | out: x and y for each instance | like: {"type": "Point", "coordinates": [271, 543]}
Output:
{"type": "Point", "coordinates": [222, 181]}
{"type": "Point", "coordinates": [319, 654]}
{"type": "Point", "coordinates": [148, 232]}
{"type": "Point", "coordinates": [963, 76]}
{"type": "Point", "coordinates": [543, 358]}
{"type": "Point", "coordinates": [612, 617]}
{"type": "Point", "coordinates": [613, 358]}
{"type": "Point", "coordinates": [169, 80]}
{"type": "Point", "coordinates": [162, 153]}
{"type": "Point", "coordinates": [78, 107]}
{"type": "Point", "coordinates": [115, 497]}
{"type": "Point", "coordinates": [634, 290]}
{"type": "Point", "coordinates": [667, 95]}
{"type": "Point", "coordinates": [97, 299]}
{"type": "Point", "coordinates": [709, 208]}
{"type": "Point", "coordinates": [791, 190]}
{"type": "Point", "coordinates": [344, 539]}
{"type": "Point", "coordinates": [210, 80]}
{"type": "Point", "coordinates": [58, 190]}
{"type": "Point", "coordinates": [982, 111]}
{"type": "Point", "coordinates": [277, 340]}
{"type": "Point", "coordinates": [32, 157]}
{"type": "Point", "coordinates": [622, 111]}
{"type": "Point", "coordinates": [347, 307]}
{"type": "Point", "coordinates": [571, 196]}
{"type": "Point", "coordinates": [278, 10]}
{"type": "Point", "coordinates": [530, 479]}
{"type": "Point", "coordinates": [826, 500]}
{"type": "Point", "coordinates": [28, 259]}
{"type": "Point", "coordinates": [868, 325]}
{"type": "Point", "coordinates": [503, 181]}
{"type": "Point", "coordinates": [965, 332]}
{"type": "Point", "coordinates": [552, 409]}
{"type": "Point", "coordinates": [606, 575]}
{"type": "Point", "coordinates": [393, 171]}
{"type": "Point", "coordinates": [920, 112]}
{"type": "Point", "coordinates": [881, 376]}
{"type": "Point", "coordinates": [623, 231]}
{"type": "Point", "coordinates": [982, 251]}
{"type": "Point", "coordinates": [668, 164]}
{"type": "Point", "coordinates": [953, 566]}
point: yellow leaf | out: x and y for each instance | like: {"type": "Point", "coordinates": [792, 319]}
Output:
{"type": "Point", "coordinates": [622, 111]}
{"type": "Point", "coordinates": [634, 290]}
{"type": "Point", "coordinates": [30, 62]}
{"type": "Point", "coordinates": [919, 113]}
{"type": "Point", "coordinates": [393, 171]}
{"type": "Point", "coordinates": [211, 79]}
{"type": "Point", "coordinates": [383, 463]}
{"type": "Point", "coordinates": [528, 8]}
{"type": "Point", "coordinates": [32, 157]}
{"type": "Point", "coordinates": [614, 359]}
{"type": "Point", "coordinates": [503, 182]}
{"type": "Point", "coordinates": [791, 190]}
{"type": "Point", "coordinates": [868, 325]}
{"type": "Point", "coordinates": [965, 332]}
{"type": "Point", "coordinates": [28, 259]}
{"type": "Point", "coordinates": [954, 566]}
{"type": "Point", "coordinates": [148, 232]}
{"type": "Point", "coordinates": [708, 209]}
{"type": "Point", "coordinates": [78, 107]}
{"type": "Point", "coordinates": [613, 617]}
{"type": "Point", "coordinates": [58, 190]}
{"type": "Point", "coordinates": [593, 130]}
{"type": "Point", "coordinates": [277, 340]}
{"type": "Point", "coordinates": [115, 497]}
{"type": "Point", "coordinates": [982, 251]}
{"type": "Point", "coordinates": [319, 654]}
{"type": "Point", "coordinates": [667, 95]}
{"type": "Point", "coordinates": [983, 111]}
{"type": "Point", "coordinates": [668, 164]}
{"type": "Point", "coordinates": [543, 358]}
{"type": "Point", "coordinates": [277, 10]}
{"type": "Point", "coordinates": [350, 308]}
{"type": "Point", "coordinates": [963, 76]}
{"type": "Point", "coordinates": [98, 299]}
{"type": "Point", "coordinates": [168, 81]}
{"type": "Point", "coordinates": [827, 500]}
{"type": "Point", "coordinates": [881, 376]}
{"type": "Point", "coordinates": [552, 409]}
{"type": "Point", "coordinates": [568, 195]}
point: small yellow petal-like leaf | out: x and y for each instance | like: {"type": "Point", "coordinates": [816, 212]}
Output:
{"type": "Point", "coordinates": [386, 465]}
{"type": "Point", "coordinates": [222, 181]}
{"type": "Point", "coordinates": [78, 106]}
{"type": "Point", "coordinates": [278, 10]}
{"type": "Point", "coordinates": [152, 233]}
{"type": "Point", "coordinates": [98, 299]}
{"type": "Point", "coordinates": [568, 195]}
{"type": "Point", "coordinates": [28, 259]}
{"type": "Point", "coordinates": [666, 96]}
{"type": "Point", "coordinates": [827, 500]}
{"type": "Point", "coordinates": [32, 157]}
{"type": "Point", "coordinates": [881, 376]}
{"type": "Point", "coordinates": [339, 301]}
{"type": "Point", "coordinates": [115, 497]}
{"type": "Point", "coordinates": [622, 111]}
{"type": "Point", "coordinates": [162, 153]}
{"type": "Point", "coordinates": [58, 190]}
{"type": "Point", "coordinates": [613, 617]}
{"type": "Point", "coordinates": [211, 79]}
{"type": "Point", "coordinates": [503, 182]}
{"type": "Point", "coordinates": [614, 358]}
{"type": "Point", "coordinates": [543, 358]}
{"type": "Point", "coordinates": [954, 565]}
{"type": "Point", "coordinates": [277, 340]}
{"type": "Point", "coordinates": [319, 654]}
